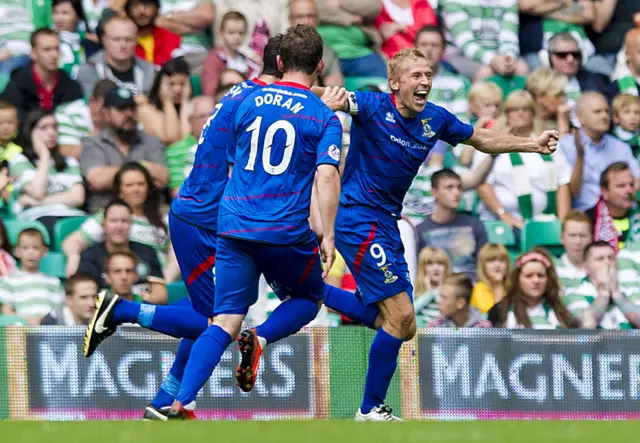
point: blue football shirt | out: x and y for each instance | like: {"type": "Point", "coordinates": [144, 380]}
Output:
{"type": "Point", "coordinates": [388, 149]}
{"type": "Point", "coordinates": [284, 132]}
{"type": "Point", "coordinates": [199, 197]}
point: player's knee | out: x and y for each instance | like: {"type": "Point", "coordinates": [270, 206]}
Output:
{"type": "Point", "coordinates": [404, 321]}
{"type": "Point", "coordinates": [411, 331]}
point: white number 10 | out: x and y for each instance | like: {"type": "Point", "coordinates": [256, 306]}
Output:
{"type": "Point", "coordinates": [290, 133]}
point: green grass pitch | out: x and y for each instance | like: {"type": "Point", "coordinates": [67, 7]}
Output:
{"type": "Point", "coordinates": [321, 432]}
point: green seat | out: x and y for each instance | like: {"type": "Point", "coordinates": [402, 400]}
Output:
{"type": "Point", "coordinates": [54, 263]}
{"type": "Point", "coordinates": [355, 83]}
{"type": "Point", "coordinates": [498, 232]}
{"type": "Point", "coordinates": [542, 233]}
{"type": "Point", "coordinates": [15, 227]}
{"type": "Point", "coordinates": [63, 228]}
{"type": "Point", "coordinates": [196, 87]}
{"type": "Point", "coordinates": [4, 80]}
{"type": "Point", "coordinates": [176, 291]}
{"type": "Point", "coordinates": [12, 320]}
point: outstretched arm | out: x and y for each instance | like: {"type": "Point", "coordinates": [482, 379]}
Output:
{"type": "Point", "coordinates": [493, 142]}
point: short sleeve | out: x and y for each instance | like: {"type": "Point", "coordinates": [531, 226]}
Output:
{"type": "Point", "coordinates": [74, 122]}
{"type": "Point", "coordinates": [6, 293]}
{"type": "Point", "coordinates": [454, 131]}
{"type": "Point", "coordinates": [91, 229]}
{"type": "Point", "coordinates": [328, 149]}
{"type": "Point", "coordinates": [154, 151]}
{"type": "Point", "coordinates": [362, 104]}
{"type": "Point", "coordinates": [18, 165]}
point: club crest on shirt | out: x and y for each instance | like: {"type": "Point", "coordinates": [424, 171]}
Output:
{"type": "Point", "coordinates": [427, 132]}
{"type": "Point", "coordinates": [334, 152]}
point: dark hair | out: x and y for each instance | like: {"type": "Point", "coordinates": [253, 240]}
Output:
{"type": "Point", "coordinates": [595, 244]}
{"type": "Point", "coordinates": [72, 281]}
{"type": "Point", "coordinates": [4, 105]}
{"type": "Point", "coordinates": [222, 85]}
{"type": "Point", "coordinates": [32, 232]}
{"type": "Point", "coordinates": [119, 252]}
{"type": "Point", "coordinates": [101, 88]}
{"type": "Point", "coordinates": [77, 6]}
{"type": "Point", "coordinates": [301, 49]}
{"type": "Point", "coordinates": [613, 167]}
{"type": "Point", "coordinates": [463, 285]}
{"type": "Point", "coordinates": [270, 57]}
{"type": "Point", "coordinates": [41, 31]}
{"type": "Point", "coordinates": [443, 174]}
{"type": "Point", "coordinates": [30, 122]}
{"type": "Point", "coordinates": [437, 29]}
{"type": "Point", "coordinates": [116, 202]}
{"type": "Point", "coordinates": [151, 208]}
{"type": "Point", "coordinates": [4, 238]}
{"type": "Point", "coordinates": [232, 15]}
{"type": "Point", "coordinates": [222, 91]}
{"type": "Point", "coordinates": [174, 66]}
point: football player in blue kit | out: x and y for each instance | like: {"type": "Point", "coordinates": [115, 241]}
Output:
{"type": "Point", "coordinates": [391, 136]}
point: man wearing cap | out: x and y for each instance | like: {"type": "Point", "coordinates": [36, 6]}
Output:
{"type": "Point", "coordinates": [119, 143]}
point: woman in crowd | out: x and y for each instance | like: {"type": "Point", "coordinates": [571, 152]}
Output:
{"type": "Point", "coordinates": [519, 116]}
{"type": "Point", "coordinates": [547, 89]}
{"type": "Point", "coordinates": [433, 266]}
{"type": "Point", "coordinates": [533, 296]}
{"type": "Point", "coordinates": [50, 186]}
{"type": "Point", "coordinates": [70, 22]}
{"type": "Point", "coordinates": [135, 187]}
{"type": "Point", "coordinates": [165, 114]}
{"type": "Point", "coordinates": [493, 270]}
{"type": "Point", "coordinates": [7, 262]}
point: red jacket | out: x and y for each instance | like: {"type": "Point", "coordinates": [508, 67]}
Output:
{"type": "Point", "coordinates": [423, 14]}
{"type": "Point", "coordinates": [164, 43]}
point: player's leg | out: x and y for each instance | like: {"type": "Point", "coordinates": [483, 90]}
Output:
{"type": "Point", "coordinates": [351, 305]}
{"type": "Point", "coordinates": [235, 293]}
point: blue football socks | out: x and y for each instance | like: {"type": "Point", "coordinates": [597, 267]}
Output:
{"type": "Point", "coordinates": [288, 318]}
{"type": "Point", "coordinates": [351, 305]}
{"type": "Point", "coordinates": [383, 360]}
{"type": "Point", "coordinates": [171, 385]}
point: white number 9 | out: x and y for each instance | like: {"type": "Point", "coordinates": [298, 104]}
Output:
{"type": "Point", "coordinates": [378, 253]}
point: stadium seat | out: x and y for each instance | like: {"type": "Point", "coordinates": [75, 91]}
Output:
{"type": "Point", "coordinates": [4, 80]}
{"type": "Point", "coordinates": [12, 320]}
{"type": "Point", "coordinates": [355, 83]}
{"type": "Point", "coordinates": [54, 263]}
{"type": "Point", "coordinates": [498, 232]}
{"type": "Point", "coordinates": [542, 233]}
{"type": "Point", "coordinates": [176, 291]}
{"type": "Point", "coordinates": [63, 228]}
{"type": "Point", "coordinates": [14, 227]}
{"type": "Point", "coordinates": [196, 88]}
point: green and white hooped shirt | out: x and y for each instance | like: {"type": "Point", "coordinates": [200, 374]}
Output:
{"type": "Point", "coordinates": [541, 316]}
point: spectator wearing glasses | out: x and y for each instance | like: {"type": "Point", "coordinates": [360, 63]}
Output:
{"type": "Point", "coordinates": [81, 293]}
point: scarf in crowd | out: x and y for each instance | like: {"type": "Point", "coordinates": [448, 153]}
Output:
{"type": "Point", "coordinates": [604, 230]}
{"type": "Point", "coordinates": [523, 185]}
{"type": "Point", "coordinates": [630, 138]}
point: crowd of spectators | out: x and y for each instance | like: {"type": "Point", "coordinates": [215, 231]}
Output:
{"type": "Point", "coordinates": [102, 104]}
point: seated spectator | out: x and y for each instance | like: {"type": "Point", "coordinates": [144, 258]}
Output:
{"type": "Point", "coordinates": [486, 38]}
{"type": "Point", "coordinates": [305, 12]}
{"type": "Point", "coordinates": [117, 62]}
{"type": "Point", "coordinates": [628, 81]}
{"type": "Point", "coordinates": [96, 106]}
{"type": "Point", "coordinates": [165, 114]}
{"type": "Point", "coordinates": [228, 79]}
{"type": "Point", "coordinates": [116, 226]}
{"type": "Point", "coordinates": [454, 305]}
{"type": "Point", "coordinates": [233, 28]}
{"type": "Point", "coordinates": [121, 142]}
{"type": "Point", "coordinates": [51, 187]}
{"type": "Point", "coordinates": [27, 292]}
{"type": "Point", "coordinates": [81, 294]}
{"type": "Point", "coordinates": [615, 216]}
{"type": "Point", "coordinates": [485, 105]}
{"type": "Point", "coordinates": [121, 276]}
{"type": "Point", "coordinates": [346, 27]}
{"type": "Point", "coordinates": [17, 24]}
{"type": "Point", "coordinates": [7, 262]}
{"type": "Point", "coordinates": [493, 271]}
{"type": "Point", "coordinates": [605, 299]}
{"type": "Point", "coordinates": [591, 150]}
{"type": "Point", "coordinates": [10, 153]}
{"type": "Point", "coordinates": [461, 235]}
{"type": "Point", "coordinates": [524, 186]}
{"type": "Point", "coordinates": [155, 44]}
{"type": "Point", "coordinates": [40, 84]}
{"type": "Point", "coordinates": [135, 187]}
{"type": "Point", "coordinates": [547, 89]}
{"type": "Point", "coordinates": [181, 155]}
{"type": "Point", "coordinates": [68, 15]}
{"type": "Point", "coordinates": [74, 124]}
{"type": "Point", "coordinates": [626, 118]}
{"type": "Point", "coordinates": [577, 232]}
{"type": "Point", "coordinates": [433, 267]}
{"type": "Point", "coordinates": [399, 22]}
{"type": "Point", "coordinates": [533, 296]}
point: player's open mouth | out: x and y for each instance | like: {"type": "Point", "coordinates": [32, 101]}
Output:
{"type": "Point", "coordinates": [420, 96]}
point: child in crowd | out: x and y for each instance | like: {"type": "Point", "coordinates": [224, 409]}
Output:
{"type": "Point", "coordinates": [626, 118]}
{"type": "Point", "coordinates": [455, 310]}
{"type": "Point", "coordinates": [28, 293]}
{"type": "Point", "coordinates": [233, 29]}
{"type": "Point", "coordinates": [493, 270]}
{"type": "Point", "coordinates": [433, 266]}
{"type": "Point", "coordinates": [485, 103]}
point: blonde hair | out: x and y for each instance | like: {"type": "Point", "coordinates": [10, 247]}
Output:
{"type": "Point", "coordinates": [546, 81]}
{"type": "Point", "coordinates": [519, 99]}
{"type": "Point", "coordinates": [578, 217]}
{"type": "Point", "coordinates": [427, 256]}
{"type": "Point", "coordinates": [622, 101]}
{"type": "Point", "coordinates": [486, 91]}
{"type": "Point", "coordinates": [395, 64]}
{"type": "Point", "coordinates": [492, 251]}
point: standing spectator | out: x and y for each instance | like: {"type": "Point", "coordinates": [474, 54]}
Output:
{"type": "Point", "coordinates": [51, 187]}
{"type": "Point", "coordinates": [181, 155]}
{"type": "Point", "coordinates": [155, 44]}
{"type": "Point", "coordinates": [433, 267]}
{"type": "Point", "coordinates": [524, 186]}
{"type": "Point", "coordinates": [96, 106]}
{"type": "Point", "coordinates": [493, 271]}
{"type": "Point", "coordinates": [116, 225]}
{"type": "Point", "coordinates": [7, 262]}
{"type": "Point", "coordinates": [629, 81]}
{"type": "Point", "coordinates": [121, 275]}
{"type": "Point", "coordinates": [454, 305]}
{"type": "Point", "coordinates": [400, 21]}
{"type": "Point", "coordinates": [16, 24]}
{"type": "Point", "coordinates": [233, 29]}
{"type": "Point", "coordinates": [28, 293]}
{"type": "Point", "coordinates": [344, 26]}
{"type": "Point", "coordinates": [41, 84]}
{"type": "Point", "coordinates": [165, 114]}
{"type": "Point", "coordinates": [81, 294]}
{"type": "Point", "coordinates": [626, 118]}
{"type": "Point", "coordinates": [485, 33]}
{"type": "Point", "coordinates": [117, 62]}
{"type": "Point", "coordinates": [547, 88]}
{"type": "Point", "coordinates": [603, 299]}
{"type": "Point", "coordinates": [459, 234]}
{"type": "Point", "coordinates": [104, 154]}
{"type": "Point", "coordinates": [533, 296]}
{"type": "Point", "coordinates": [591, 150]}
{"type": "Point", "coordinates": [305, 12]}
{"type": "Point", "coordinates": [67, 16]}
{"type": "Point", "coordinates": [577, 232]}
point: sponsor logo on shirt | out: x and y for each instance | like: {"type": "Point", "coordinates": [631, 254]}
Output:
{"type": "Point", "coordinates": [407, 144]}
{"type": "Point", "coordinates": [390, 118]}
